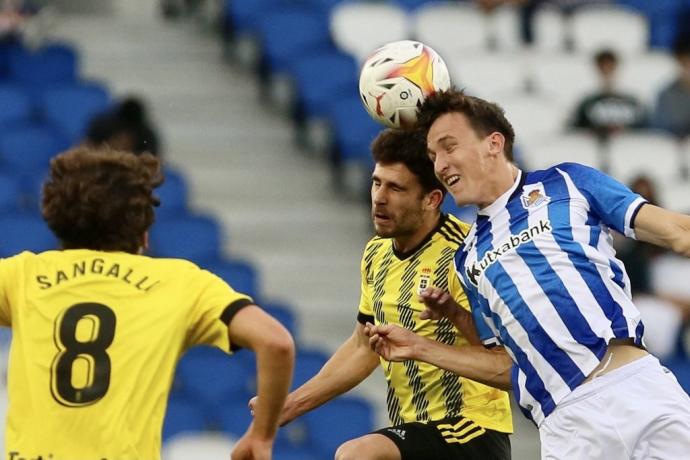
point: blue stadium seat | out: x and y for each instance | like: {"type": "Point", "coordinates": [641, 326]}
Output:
{"type": "Point", "coordinates": [70, 107]}
{"type": "Point", "coordinates": [10, 193]}
{"type": "Point", "coordinates": [681, 369]}
{"type": "Point", "coordinates": [193, 237]}
{"type": "Point", "coordinates": [24, 233]}
{"type": "Point", "coordinates": [173, 194]}
{"type": "Point", "coordinates": [307, 364]}
{"type": "Point", "coordinates": [353, 130]}
{"type": "Point", "coordinates": [239, 274]}
{"type": "Point", "coordinates": [234, 417]}
{"type": "Point", "coordinates": [183, 416]}
{"type": "Point", "coordinates": [29, 148]}
{"type": "Point", "coordinates": [242, 16]}
{"type": "Point", "coordinates": [663, 18]}
{"type": "Point", "coordinates": [284, 314]}
{"type": "Point", "coordinates": [338, 421]}
{"type": "Point", "coordinates": [53, 63]}
{"type": "Point", "coordinates": [291, 453]}
{"type": "Point", "coordinates": [290, 33]}
{"type": "Point", "coordinates": [411, 4]}
{"type": "Point", "coordinates": [212, 377]}
{"type": "Point", "coordinates": [322, 78]}
{"type": "Point", "coordinates": [15, 103]}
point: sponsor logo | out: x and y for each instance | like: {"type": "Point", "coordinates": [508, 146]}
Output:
{"type": "Point", "coordinates": [398, 433]}
{"type": "Point", "coordinates": [476, 269]}
{"type": "Point", "coordinates": [534, 196]}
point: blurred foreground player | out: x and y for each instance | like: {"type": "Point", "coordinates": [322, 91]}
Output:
{"type": "Point", "coordinates": [98, 328]}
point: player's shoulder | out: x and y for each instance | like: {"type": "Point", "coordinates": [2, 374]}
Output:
{"type": "Point", "coordinates": [452, 230]}
{"type": "Point", "coordinates": [575, 170]}
{"type": "Point", "coordinates": [376, 243]}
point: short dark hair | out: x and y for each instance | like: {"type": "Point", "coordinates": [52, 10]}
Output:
{"type": "Point", "coordinates": [605, 55]}
{"type": "Point", "coordinates": [483, 116]}
{"type": "Point", "coordinates": [409, 148]}
{"type": "Point", "coordinates": [102, 199]}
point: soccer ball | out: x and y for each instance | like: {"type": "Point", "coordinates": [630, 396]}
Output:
{"type": "Point", "coordinates": [397, 77]}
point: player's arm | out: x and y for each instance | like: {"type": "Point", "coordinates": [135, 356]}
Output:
{"type": "Point", "coordinates": [664, 228]}
{"type": "Point", "coordinates": [488, 366]}
{"type": "Point", "coordinates": [252, 328]}
{"type": "Point", "coordinates": [350, 364]}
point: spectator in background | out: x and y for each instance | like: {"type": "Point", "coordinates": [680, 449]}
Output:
{"type": "Point", "coordinates": [126, 127]}
{"type": "Point", "coordinates": [672, 112]}
{"type": "Point", "coordinates": [608, 110]}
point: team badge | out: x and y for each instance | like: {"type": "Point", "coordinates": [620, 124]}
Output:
{"type": "Point", "coordinates": [424, 280]}
{"type": "Point", "coordinates": [533, 196]}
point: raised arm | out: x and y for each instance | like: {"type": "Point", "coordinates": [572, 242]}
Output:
{"type": "Point", "coordinates": [353, 362]}
{"type": "Point", "coordinates": [252, 328]}
{"type": "Point", "coordinates": [488, 366]}
{"type": "Point", "coordinates": [664, 228]}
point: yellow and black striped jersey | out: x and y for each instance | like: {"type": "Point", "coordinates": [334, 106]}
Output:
{"type": "Point", "coordinates": [391, 282]}
{"type": "Point", "coordinates": [95, 340]}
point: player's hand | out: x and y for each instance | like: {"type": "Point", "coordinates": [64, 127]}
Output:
{"type": "Point", "coordinates": [439, 304]}
{"type": "Point", "coordinates": [285, 416]}
{"type": "Point", "coordinates": [391, 342]}
{"type": "Point", "coordinates": [251, 448]}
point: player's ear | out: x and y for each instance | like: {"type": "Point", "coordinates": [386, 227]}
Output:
{"type": "Point", "coordinates": [496, 142]}
{"type": "Point", "coordinates": [434, 199]}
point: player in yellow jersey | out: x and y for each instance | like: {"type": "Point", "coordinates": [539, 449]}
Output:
{"type": "Point", "coordinates": [435, 414]}
{"type": "Point", "coordinates": [97, 328]}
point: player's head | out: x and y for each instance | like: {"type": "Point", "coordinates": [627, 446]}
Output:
{"type": "Point", "coordinates": [101, 199]}
{"type": "Point", "coordinates": [405, 193]}
{"type": "Point", "coordinates": [468, 139]}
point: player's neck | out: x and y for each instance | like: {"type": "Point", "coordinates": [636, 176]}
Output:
{"type": "Point", "coordinates": [407, 243]}
{"type": "Point", "coordinates": [501, 181]}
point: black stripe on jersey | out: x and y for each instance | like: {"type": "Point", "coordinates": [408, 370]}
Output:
{"type": "Point", "coordinates": [450, 235]}
{"type": "Point", "coordinates": [442, 268]}
{"type": "Point", "coordinates": [230, 312]}
{"type": "Point", "coordinates": [379, 289]}
{"type": "Point", "coordinates": [364, 319]}
{"type": "Point", "coordinates": [411, 367]}
{"type": "Point", "coordinates": [393, 404]}
{"type": "Point", "coordinates": [369, 254]}
{"type": "Point", "coordinates": [457, 227]}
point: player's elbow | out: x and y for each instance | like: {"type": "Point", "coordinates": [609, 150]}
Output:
{"type": "Point", "coordinates": [279, 343]}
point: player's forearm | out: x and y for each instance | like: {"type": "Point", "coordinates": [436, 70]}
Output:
{"type": "Point", "coordinates": [490, 367]}
{"type": "Point", "coordinates": [275, 362]}
{"type": "Point", "coordinates": [349, 366]}
{"type": "Point", "coordinates": [464, 323]}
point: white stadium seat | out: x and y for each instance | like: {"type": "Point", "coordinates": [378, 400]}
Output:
{"type": "Point", "coordinates": [653, 154]}
{"type": "Point", "coordinates": [551, 31]}
{"type": "Point", "coordinates": [452, 29]}
{"type": "Point", "coordinates": [675, 195]}
{"type": "Point", "coordinates": [360, 28]}
{"type": "Point", "coordinates": [198, 446]}
{"type": "Point", "coordinates": [490, 75]}
{"type": "Point", "coordinates": [646, 74]}
{"type": "Point", "coordinates": [504, 28]}
{"type": "Point", "coordinates": [606, 26]}
{"type": "Point", "coordinates": [570, 147]}
{"type": "Point", "coordinates": [563, 78]}
{"type": "Point", "coordinates": [534, 119]}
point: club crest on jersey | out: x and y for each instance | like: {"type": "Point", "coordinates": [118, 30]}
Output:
{"type": "Point", "coordinates": [424, 280]}
{"type": "Point", "coordinates": [533, 196]}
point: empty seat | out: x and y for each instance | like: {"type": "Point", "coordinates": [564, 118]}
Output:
{"type": "Point", "coordinates": [571, 147]}
{"type": "Point", "coordinates": [173, 194]}
{"type": "Point", "coordinates": [504, 28]}
{"type": "Point", "coordinates": [70, 107]}
{"type": "Point", "coordinates": [307, 364]}
{"type": "Point", "coordinates": [645, 75]}
{"type": "Point", "coordinates": [551, 30]}
{"type": "Point", "coordinates": [675, 196]}
{"type": "Point", "coordinates": [198, 446]}
{"type": "Point", "coordinates": [452, 29]}
{"type": "Point", "coordinates": [563, 78]}
{"type": "Point", "coordinates": [359, 28]}
{"type": "Point", "coordinates": [352, 416]}
{"type": "Point", "coordinates": [24, 233]}
{"type": "Point", "coordinates": [653, 154]}
{"type": "Point", "coordinates": [597, 26]}
{"type": "Point", "coordinates": [353, 130]}
{"type": "Point", "coordinates": [239, 274]}
{"type": "Point", "coordinates": [29, 148]}
{"type": "Point", "coordinates": [15, 103]}
{"type": "Point", "coordinates": [533, 118]}
{"type": "Point", "coordinates": [490, 75]}
{"type": "Point", "coordinates": [284, 314]}
{"type": "Point", "coordinates": [183, 416]}
{"type": "Point", "coordinates": [192, 237]}
{"type": "Point", "coordinates": [10, 193]}
{"type": "Point", "coordinates": [53, 63]}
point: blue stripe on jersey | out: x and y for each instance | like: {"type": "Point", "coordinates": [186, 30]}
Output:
{"type": "Point", "coordinates": [618, 274]}
{"type": "Point", "coordinates": [587, 270]}
{"type": "Point", "coordinates": [514, 372]}
{"type": "Point", "coordinates": [594, 225]}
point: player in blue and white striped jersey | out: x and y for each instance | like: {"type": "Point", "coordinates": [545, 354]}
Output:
{"type": "Point", "coordinates": [545, 285]}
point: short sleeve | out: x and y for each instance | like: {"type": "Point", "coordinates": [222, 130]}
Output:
{"type": "Point", "coordinates": [216, 305]}
{"type": "Point", "coordinates": [612, 202]}
{"type": "Point", "coordinates": [365, 311]}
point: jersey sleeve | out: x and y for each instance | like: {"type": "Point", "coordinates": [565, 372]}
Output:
{"type": "Point", "coordinates": [365, 311]}
{"type": "Point", "coordinates": [614, 203]}
{"type": "Point", "coordinates": [216, 305]}
{"type": "Point", "coordinates": [6, 282]}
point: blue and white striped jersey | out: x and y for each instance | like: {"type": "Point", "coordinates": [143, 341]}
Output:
{"type": "Point", "coordinates": [541, 274]}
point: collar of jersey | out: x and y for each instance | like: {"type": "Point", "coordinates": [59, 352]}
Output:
{"type": "Point", "coordinates": [502, 200]}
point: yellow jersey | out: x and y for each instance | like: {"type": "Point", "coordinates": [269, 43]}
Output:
{"type": "Point", "coordinates": [391, 282]}
{"type": "Point", "coordinates": [95, 340]}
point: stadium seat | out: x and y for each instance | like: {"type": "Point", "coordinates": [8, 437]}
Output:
{"type": "Point", "coordinates": [183, 416]}
{"type": "Point", "coordinates": [307, 364]}
{"type": "Point", "coordinates": [504, 29]}
{"type": "Point", "coordinates": [534, 118]}
{"type": "Point", "coordinates": [307, 31]}
{"type": "Point", "coordinates": [359, 28]}
{"type": "Point", "coordinates": [663, 17]}
{"type": "Point", "coordinates": [411, 5]}
{"type": "Point", "coordinates": [288, 453]}
{"type": "Point", "coordinates": [284, 314]}
{"type": "Point", "coordinates": [53, 63]}
{"type": "Point", "coordinates": [352, 416]}
{"type": "Point", "coordinates": [467, 214]}
{"type": "Point", "coordinates": [490, 75]}
{"type": "Point", "coordinates": [243, 16]}
{"type": "Point", "coordinates": [562, 78]}
{"type": "Point", "coordinates": [15, 103]}
{"type": "Point", "coordinates": [353, 130]}
{"type": "Point", "coordinates": [193, 237]}
{"type": "Point", "coordinates": [24, 233]}
{"type": "Point", "coordinates": [212, 377]}
{"type": "Point", "coordinates": [452, 29]}
{"type": "Point", "coordinates": [609, 26]}
{"type": "Point", "coordinates": [239, 274]}
{"type": "Point", "coordinates": [70, 107]}
{"type": "Point", "coordinates": [233, 417]}
{"type": "Point", "coordinates": [675, 195]}
{"type": "Point", "coordinates": [681, 369]}
{"type": "Point", "coordinates": [173, 194]}
{"type": "Point", "coordinates": [315, 90]}
{"type": "Point", "coordinates": [29, 148]}
{"type": "Point", "coordinates": [10, 194]}
{"type": "Point", "coordinates": [551, 30]}
{"type": "Point", "coordinates": [646, 74]}
{"type": "Point", "coordinates": [198, 446]}
{"type": "Point", "coordinates": [578, 147]}
{"type": "Point", "coordinates": [653, 154]}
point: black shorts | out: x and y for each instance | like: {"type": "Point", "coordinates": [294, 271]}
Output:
{"type": "Point", "coordinates": [455, 438]}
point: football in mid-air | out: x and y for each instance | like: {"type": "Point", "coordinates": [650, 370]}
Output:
{"type": "Point", "coordinates": [396, 78]}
